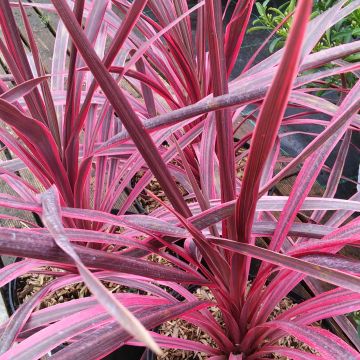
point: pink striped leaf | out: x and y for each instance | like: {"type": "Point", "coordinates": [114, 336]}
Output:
{"type": "Point", "coordinates": [110, 337]}
{"type": "Point", "coordinates": [313, 265]}
{"type": "Point", "coordinates": [51, 217]}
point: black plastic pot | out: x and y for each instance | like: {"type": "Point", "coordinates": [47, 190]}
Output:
{"type": "Point", "coordinates": [11, 299]}
{"type": "Point", "coordinates": [9, 293]}
{"type": "Point", "coordinates": [131, 352]}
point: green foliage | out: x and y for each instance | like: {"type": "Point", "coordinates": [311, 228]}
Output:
{"type": "Point", "coordinates": [270, 17]}
{"type": "Point", "coordinates": [356, 318]}
{"type": "Point", "coordinates": [345, 31]}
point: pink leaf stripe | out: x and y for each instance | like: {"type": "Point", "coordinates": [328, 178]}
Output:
{"type": "Point", "coordinates": [263, 140]}
{"type": "Point", "coordinates": [51, 216]}
{"type": "Point", "coordinates": [270, 117]}
{"type": "Point", "coordinates": [121, 105]}
{"type": "Point", "coordinates": [320, 272]}
{"type": "Point", "coordinates": [21, 90]}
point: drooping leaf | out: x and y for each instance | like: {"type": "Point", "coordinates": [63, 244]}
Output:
{"type": "Point", "coordinates": [51, 217]}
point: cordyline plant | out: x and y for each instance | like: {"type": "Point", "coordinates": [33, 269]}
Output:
{"type": "Point", "coordinates": [138, 90]}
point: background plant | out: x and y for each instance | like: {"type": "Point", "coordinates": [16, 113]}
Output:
{"type": "Point", "coordinates": [270, 17]}
{"type": "Point", "coordinates": [140, 98]}
{"type": "Point", "coordinates": [278, 20]}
